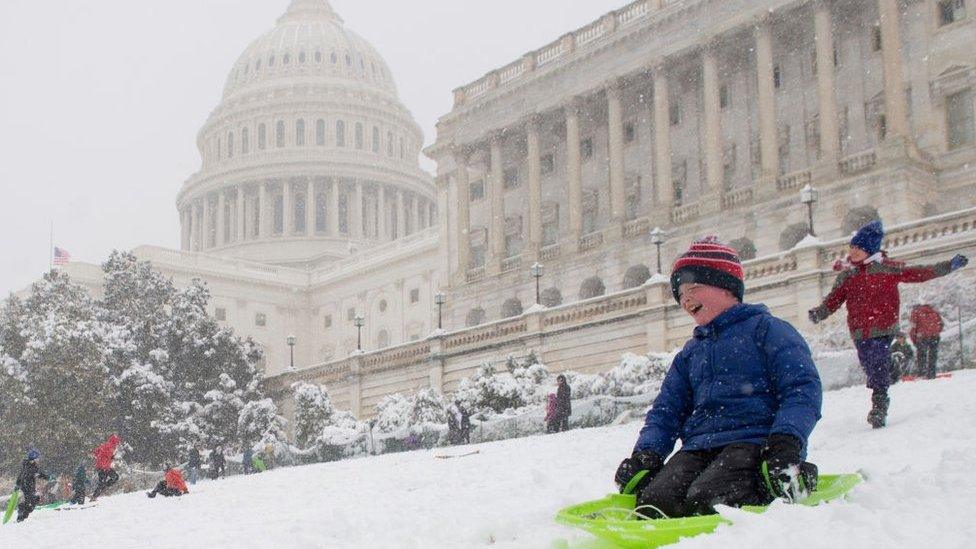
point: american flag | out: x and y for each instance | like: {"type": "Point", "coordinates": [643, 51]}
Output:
{"type": "Point", "coordinates": [61, 256]}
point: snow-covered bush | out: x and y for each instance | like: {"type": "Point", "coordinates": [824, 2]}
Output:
{"type": "Point", "coordinates": [393, 413]}
{"type": "Point", "coordinates": [260, 424]}
{"type": "Point", "coordinates": [635, 375]}
{"type": "Point", "coordinates": [313, 411]}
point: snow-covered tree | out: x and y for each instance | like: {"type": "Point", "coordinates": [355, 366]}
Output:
{"type": "Point", "coordinates": [313, 411]}
{"type": "Point", "coordinates": [428, 408]}
{"type": "Point", "coordinates": [489, 391]}
{"type": "Point", "coordinates": [260, 424]}
{"type": "Point", "coordinates": [393, 413]}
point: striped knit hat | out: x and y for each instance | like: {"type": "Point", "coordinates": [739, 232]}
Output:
{"type": "Point", "coordinates": [709, 262]}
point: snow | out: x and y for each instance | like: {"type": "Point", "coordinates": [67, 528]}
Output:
{"type": "Point", "coordinates": [808, 241]}
{"type": "Point", "coordinates": [919, 490]}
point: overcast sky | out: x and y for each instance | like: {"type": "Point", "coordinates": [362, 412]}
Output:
{"type": "Point", "coordinates": [101, 100]}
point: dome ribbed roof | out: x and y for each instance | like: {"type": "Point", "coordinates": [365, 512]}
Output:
{"type": "Point", "coordinates": [309, 43]}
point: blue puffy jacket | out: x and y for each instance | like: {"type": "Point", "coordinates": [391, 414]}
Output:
{"type": "Point", "coordinates": [744, 376]}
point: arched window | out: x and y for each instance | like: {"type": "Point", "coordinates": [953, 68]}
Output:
{"type": "Point", "coordinates": [257, 65]}
{"type": "Point", "coordinates": [280, 134]}
{"type": "Point", "coordinates": [220, 150]}
{"type": "Point", "coordinates": [402, 150]}
{"type": "Point", "coordinates": [301, 57]}
{"type": "Point", "coordinates": [359, 136]}
{"type": "Point", "coordinates": [792, 235]}
{"type": "Point", "coordinates": [383, 305]}
{"type": "Point", "coordinates": [245, 141]}
{"type": "Point", "coordinates": [298, 217]}
{"type": "Point", "coordinates": [285, 59]}
{"type": "Point", "coordinates": [318, 56]}
{"type": "Point", "coordinates": [859, 217]}
{"type": "Point", "coordinates": [320, 132]}
{"type": "Point", "coordinates": [745, 248]}
{"type": "Point", "coordinates": [271, 60]}
{"type": "Point", "coordinates": [551, 297]}
{"type": "Point", "coordinates": [382, 339]}
{"type": "Point", "coordinates": [475, 317]}
{"type": "Point", "coordinates": [340, 133]}
{"type": "Point", "coordinates": [389, 144]}
{"type": "Point", "coordinates": [376, 140]}
{"type": "Point", "coordinates": [279, 214]}
{"type": "Point", "coordinates": [334, 58]}
{"type": "Point", "coordinates": [592, 287]}
{"type": "Point", "coordinates": [262, 137]}
{"type": "Point", "coordinates": [636, 275]}
{"type": "Point", "coordinates": [230, 144]}
{"type": "Point", "coordinates": [511, 307]}
{"type": "Point", "coordinates": [300, 132]}
{"type": "Point", "coordinates": [348, 60]}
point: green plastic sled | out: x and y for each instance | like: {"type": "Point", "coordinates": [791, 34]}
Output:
{"type": "Point", "coordinates": [11, 505]}
{"type": "Point", "coordinates": [613, 520]}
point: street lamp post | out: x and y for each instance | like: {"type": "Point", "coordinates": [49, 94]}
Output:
{"type": "Point", "coordinates": [657, 238]}
{"type": "Point", "coordinates": [809, 196]}
{"type": "Point", "coordinates": [291, 340]}
{"type": "Point", "coordinates": [359, 322]}
{"type": "Point", "coordinates": [440, 299]}
{"type": "Point", "coordinates": [536, 270]}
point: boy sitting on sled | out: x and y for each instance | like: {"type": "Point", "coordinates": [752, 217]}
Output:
{"type": "Point", "coordinates": [743, 396]}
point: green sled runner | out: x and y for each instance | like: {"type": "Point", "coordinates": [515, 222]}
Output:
{"type": "Point", "coordinates": [612, 519]}
{"type": "Point", "coordinates": [11, 506]}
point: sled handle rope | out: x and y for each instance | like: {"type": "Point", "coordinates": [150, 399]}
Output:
{"type": "Point", "coordinates": [628, 513]}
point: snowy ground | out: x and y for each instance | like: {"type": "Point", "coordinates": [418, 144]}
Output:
{"type": "Point", "coordinates": [921, 490]}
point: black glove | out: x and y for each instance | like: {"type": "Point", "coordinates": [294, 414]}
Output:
{"type": "Point", "coordinates": [813, 315]}
{"type": "Point", "coordinates": [783, 471]}
{"type": "Point", "coordinates": [636, 471]}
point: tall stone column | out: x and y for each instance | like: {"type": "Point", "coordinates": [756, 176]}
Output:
{"type": "Point", "coordinates": [662, 145]}
{"type": "Point", "coordinates": [221, 218]}
{"type": "Point", "coordinates": [713, 127]}
{"type": "Point", "coordinates": [333, 210]}
{"type": "Point", "coordinates": [533, 152]}
{"type": "Point", "coordinates": [401, 214]}
{"type": "Point", "coordinates": [310, 207]}
{"type": "Point", "coordinates": [194, 228]}
{"type": "Point", "coordinates": [896, 105]}
{"type": "Point", "coordinates": [574, 176]}
{"type": "Point", "coordinates": [766, 88]}
{"type": "Point", "coordinates": [615, 127]}
{"type": "Point", "coordinates": [205, 241]}
{"type": "Point", "coordinates": [496, 192]}
{"type": "Point", "coordinates": [826, 91]}
{"type": "Point", "coordinates": [240, 203]}
{"type": "Point", "coordinates": [461, 191]}
{"type": "Point", "coordinates": [416, 214]}
{"type": "Point", "coordinates": [381, 213]}
{"type": "Point", "coordinates": [356, 222]}
{"type": "Point", "coordinates": [264, 211]}
{"type": "Point", "coordinates": [287, 208]}
{"type": "Point", "coordinates": [184, 229]}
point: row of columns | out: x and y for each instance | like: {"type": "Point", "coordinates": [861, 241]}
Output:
{"type": "Point", "coordinates": [252, 214]}
{"type": "Point", "coordinates": [895, 112]}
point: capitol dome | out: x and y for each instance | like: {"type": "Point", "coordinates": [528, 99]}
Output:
{"type": "Point", "coordinates": [310, 154]}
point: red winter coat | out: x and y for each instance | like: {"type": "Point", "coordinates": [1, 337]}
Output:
{"type": "Point", "coordinates": [926, 322]}
{"type": "Point", "coordinates": [870, 289]}
{"type": "Point", "coordinates": [174, 480]}
{"type": "Point", "coordinates": [105, 453]}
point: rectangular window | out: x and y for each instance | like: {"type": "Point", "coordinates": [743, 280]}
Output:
{"type": "Point", "coordinates": [546, 164]}
{"type": "Point", "coordinates": [951, 11]}
{"type": "Point", "coordinates": [340, 133]}
{"type": "Point", "coordinates": [245, 141]}
{"type": "Point", "coordinates": [280, 134]}
{"type": "Point", "coordinates": [723, 96]}
{"type": "Point", "coordinates": [260, 320]}
{"type": "Point", "coordinates": [477, 257]}
{"type": "Point", "coordinates": [300, 133]}
{"type": "Point", "coordinates": [279, 214]}
{"type": "Point", "coordinates": [630, 132]}
{"type": "Point", "coordinates": [220, 313]}
{"type": "Point", "coordinates": [320, 207]}
{"type": "Point", "coordinates": [376, 140]}
{"type": "Point", "coordinates": [876, 38]}
{"type": "Point", "coordinates": [389, 144]}
{"type": "Point", "coordinates": [327, 323]}
{"type": "Point", "coordinates": [415, 295]}
{"type": "Point", "coordinates": [674, 114]}
{"type": "Point", "coordinates": [813, 62]}
{"type": "Point", "coordinates": [262, 137]}
{"type": "Point", "coordinates": [320, 132]}
{"type": "Point", "coordinates": [959, 119]}
{"type": "Point", "coordinates": [586, 149]}
{"type": "Point", "coordinates": [476, 190]}
{"type": "Point", "coordinates": [359, 136]}
{"type": "Point", "coordinates": [511, 178]}
{"type": "Point", "coordinates": [351, 313]}
{"type": "Point", "coordinates": [777, 77]}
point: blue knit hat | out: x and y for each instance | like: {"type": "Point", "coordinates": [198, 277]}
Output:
{"type": "Point", "coordinates": [869, 237]}
{"type": "Point", "coordinates": [33, 454]}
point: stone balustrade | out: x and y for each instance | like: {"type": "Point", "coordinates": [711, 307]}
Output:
{"type": "Point", "coordinates": [737, 197]}
{"type": "Point", "coordinates": [794, 181]}
{"type": "Point", "coordinates": [857, 163]}
{"type": "Point", "coordinates": [636, 228]}
{"type": "Point", "coordinates": [685, 213]}
{"type": "Point", "coordinates": [589, 241]}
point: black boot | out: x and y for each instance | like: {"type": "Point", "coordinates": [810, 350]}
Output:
{"type": "Point", "coordinates": [879, 409]}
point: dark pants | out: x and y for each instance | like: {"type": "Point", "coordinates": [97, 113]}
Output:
{"type": "Point", "coordinates": [692, 482]}
{"type": "Point", "coordinates": [164, 490]}
{"type": "Point", "coordinates": [561, 423]}
{"type": "Point", "coordinates": [875, 357]}
{"type": "Point", "coordinates": [78, 497]}
{"type": "Point", "coordinates": [928, 355]}
{"type": "Point", "coordinates": [105, 480]}
{"type": "Point", "coordinates": [26, 505]}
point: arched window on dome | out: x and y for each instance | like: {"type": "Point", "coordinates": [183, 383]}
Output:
{"type": "Point", "coordinates": [271, 60]}
{"type": "Point", "coordinates": [334, 58]}
{"type": "Point", "coordinates": [389, 144]}
{"type": "Point", "coordinates": [403, 153]}
{"type": "Point", "coordinates": [279, 214]}
{"type": "Point", "coordinates": [318, 56]}
{"type": "Point", "coordinates": [320, 132]}
{"type": "Point", "coordinates": [262, 137]}
{"type": "Point", "coordinates": [247, 67]}
{"type": "Point", "coordinates": [300, 132]}
{"type": "Point", "coordinates": [257, 65]}
{"type": "Point", "coordinates": [340, 133]}
{"type": "Point", "coordinates": [359, 136]}
{"type": "Point", "coordinates": [362, 64]}
{"type": "Point", "coordinates": [285, 58]}
{"type": "Point", "coordinates": [219, 148]}
{"type": "Point", "coordinates": [301, 57]}
{"type": "Point", "coordinates": [372, 67]}
{"type": "Point", "coordinates": [280, 134]}
{"type": "Point", "coordinates": [348, 60]}
{"type": "Point", "coordinates": [230, 144]}
{"type": "Point", "coordinates": [245, 141]}
{"type": "Point", "coordinates": [376, 140]}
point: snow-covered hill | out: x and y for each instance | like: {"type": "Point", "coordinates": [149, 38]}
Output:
{"type": "Point", "coordinates": [921, 492]}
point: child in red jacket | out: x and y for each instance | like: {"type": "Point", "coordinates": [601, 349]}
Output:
{"type": "Point", "coordinates": [104, 455]}
{"type": "Point", "coordinates": [869, 287]}
{"type": "Point", "coordinates": [171, 485]}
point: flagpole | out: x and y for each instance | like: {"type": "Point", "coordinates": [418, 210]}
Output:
{"type": "Point", "coordinates": [50, 250]}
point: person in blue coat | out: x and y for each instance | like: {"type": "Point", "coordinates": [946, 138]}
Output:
{"type": "Point", "coordinates": [743, 396]}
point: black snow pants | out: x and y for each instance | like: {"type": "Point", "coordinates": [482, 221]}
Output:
{"type": "Point", "coordinates": [164, 490]}
{"type": "Point", "coordinates": [927, 349]}
{"type": "Point", "coordinates": [692, 482]}
{"type": "Point", "coordinates": [105, 480]}
{"type": "Point", "coordinates": [26, 505]}
{"type": "Point", "coordinates": [78, 497]}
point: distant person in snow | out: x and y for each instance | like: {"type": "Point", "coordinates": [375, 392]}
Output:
{"type": "Point", "coordinates": [104, 455]}
{"type": "Point", "coordinates": [218, 464]}
{"type": "Point", "coordinates": [743, 396]}
{"type": "Point", "coordinates": [79, 485]}
{"type": "Point", "coordinates": [926, 334]}
{"type": "Point", "coordinates": [171, 485]}
{"type": "Point", "coordinates": [246, 459]}
{"type": "Point", "coordinates": [901, 358]}
{"type": "Point", "coordinates": [868, 284]}
{"type": "Point", "coordinates": [564, 405]}
{"type": "Point", "coordinates": [30, 471]}
{"type": "Point", "coordinates": [193, 463]}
